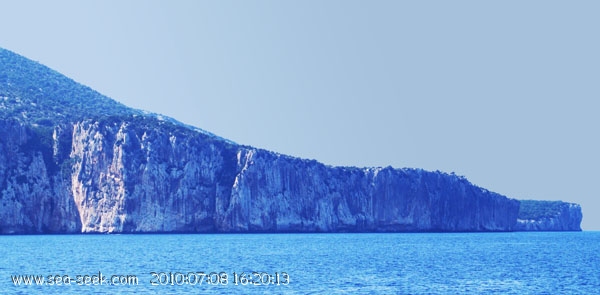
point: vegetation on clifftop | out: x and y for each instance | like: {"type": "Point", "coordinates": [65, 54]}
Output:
{"type": "Point", "coordinates": [533, 209]}
{"type": "Point", "coordinates": [40, 95]}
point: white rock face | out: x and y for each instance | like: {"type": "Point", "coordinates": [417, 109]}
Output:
{"type": "Point", "coordinates": [127, 179]}
{"type": "Point", "coordinates": [140, 174]}
{"type": "Point", "coordinates": [34, 194]}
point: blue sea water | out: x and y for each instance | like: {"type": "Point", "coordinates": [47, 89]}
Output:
{"type": "Point", "coordinates": [416, 263]}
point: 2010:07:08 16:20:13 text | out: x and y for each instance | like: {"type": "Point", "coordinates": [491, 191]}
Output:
{"type": "Point", "coordinates": [220, 278]}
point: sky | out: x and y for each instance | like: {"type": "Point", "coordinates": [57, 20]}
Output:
{"type": "Point", "coordinates": [506, 93]}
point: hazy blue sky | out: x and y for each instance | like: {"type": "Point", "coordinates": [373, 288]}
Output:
{"type": "Point", "coordinates": [504, 92]}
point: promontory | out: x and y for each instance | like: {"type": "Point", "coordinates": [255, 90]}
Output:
{"type": "Point", "coordinates": [75, 161]}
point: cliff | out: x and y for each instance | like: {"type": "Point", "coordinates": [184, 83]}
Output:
{"type": "Point", "coordinates": [74, 161]}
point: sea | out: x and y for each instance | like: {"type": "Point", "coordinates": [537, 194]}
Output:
{"type": "Point", "coordinates": [344, 263]}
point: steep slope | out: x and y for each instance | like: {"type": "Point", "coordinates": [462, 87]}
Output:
{"type": "Point", "coordinates": [33, 93]}
{"type": "Point", "coordinates": [72, 160]}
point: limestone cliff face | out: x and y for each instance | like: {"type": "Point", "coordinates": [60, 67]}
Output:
{"type": "Point", "coordinates": [35, 193]}
{"type": "Point", "coordinates": [272, 192]}
{"type": "Point", "coordinates": [74, 161]}
{"type": "Point", "coordinates": [129, 177]}
{"type": "Point", "coordinates": [147, 175]}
